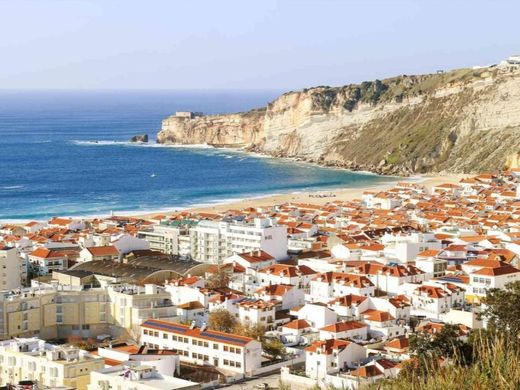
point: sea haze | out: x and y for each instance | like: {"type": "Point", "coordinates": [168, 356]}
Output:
{"type": "Point", "coordinates": [66, 153]}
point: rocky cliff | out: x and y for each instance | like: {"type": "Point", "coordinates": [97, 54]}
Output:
{"type": "Point", "coordinates": [464, 120]}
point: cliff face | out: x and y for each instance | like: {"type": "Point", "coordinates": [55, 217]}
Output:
{"type": "Point", "coordinates": [460, 121]}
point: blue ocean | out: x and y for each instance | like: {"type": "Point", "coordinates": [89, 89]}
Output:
{"type": "Point", "coordinates": [67, 153]}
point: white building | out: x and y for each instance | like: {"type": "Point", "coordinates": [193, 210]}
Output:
{"type": "Point", "coordinates": [344, 330]}
{"type": "Point", "coordinates": [329, 285]}
{"type": "Point", "coordinates": [329, 356]}
{"type": "Point", "coordinates": [317, 315]}
{"type": "Point", "coordinates": [230, 352]}
{"type": "Point", "coordinates": [405, 248]}
{"type": "Point", "coordinates": [172, 238]}
{"type": "Point", "coordinates": [135, 376]}
{"type": "Point", "coordinates": [431, 299]}
{"type": "Point", "coordinates": [487, 278]}
{"type": "Point", "coordinates": [212, 241]}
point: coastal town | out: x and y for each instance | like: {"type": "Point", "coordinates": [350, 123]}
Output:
{"type": "Point", "coordinates": [293, 295]}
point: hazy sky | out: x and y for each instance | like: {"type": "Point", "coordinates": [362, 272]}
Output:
{"type": "Point", "coordinates": [245, 44]}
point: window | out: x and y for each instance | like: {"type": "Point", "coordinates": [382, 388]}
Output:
{"type": "Point", "coordinates": [174, 338]}
{"type": "Point", "coordinates": [145, 332]}
{"type": "Point", "coordinates": [226, 362]}
{"type": "Point", "coordinates": [238, 364]}
{"type": "Point", "coordinates": [226, 348]}
{"type": "Point", "coordinates": [165, 336]}
{"type": "Point", "coordinates": [215, 346]}
{"type": "Point", "coordinates": [85, 327]}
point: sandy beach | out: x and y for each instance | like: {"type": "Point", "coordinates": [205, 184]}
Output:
{"type": "Point", "coordinates": [318, 197]}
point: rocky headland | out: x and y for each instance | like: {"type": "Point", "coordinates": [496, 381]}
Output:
{"type": "Point", "coordinates": [460, 121]}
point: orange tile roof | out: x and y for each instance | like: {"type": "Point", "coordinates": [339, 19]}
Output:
{"type": "Point", "coordinates": [297, 324]}
{"type": "Point", "coordinates": [328, 346]}
{"type": "Point", "coordinates": [343, 326]}
{"type": "Point", "coordinates": [103, 250]}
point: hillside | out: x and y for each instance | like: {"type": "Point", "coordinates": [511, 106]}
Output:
{"type": "Point", "coordinates": [459, 121]}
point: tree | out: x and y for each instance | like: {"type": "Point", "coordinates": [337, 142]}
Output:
{"type": "Point", "coordinates": [222, 320]}
{"type": "Point", "coordinates": [220, 278]}
{"type": "Point", "coordinates": [445, 343]}
{"type": "Point", "coordinates": [249, 330]}
{"type": "Point", "coordinates": [503, 309]}
{"type": "Point", "coordinates": [274, 348]}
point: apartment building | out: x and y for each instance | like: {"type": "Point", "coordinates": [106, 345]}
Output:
{"type": "Point", "coordinates": [63, 311]}
{"type": "Point", "coordinates": [214, 241]}
{"type": "Point", "coordinates": [11, 268]}
{"type": "Point", "coordinates": [50, 365]}
{"type": "Point", "coordinates": [132, 305]}
{"type": "Point", "coordinates": [170, 237]}
{"type": "Point", "coordinates": [235, 354]}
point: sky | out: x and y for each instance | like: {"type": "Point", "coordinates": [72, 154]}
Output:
{"type": "Point", "coordinates": [245, 44]}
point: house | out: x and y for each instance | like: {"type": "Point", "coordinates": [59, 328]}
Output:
{"type": "Point", "coordinates": [317, 315]}
{"type": "Point", "coordinates": [256, 312]}
{"type": "Point", "coordinates": [66, 223]}
{"type": "Point", "coordinates": [191, 311]}
{"type": "Point", "coordinates": [398, 347]}
{"type": "Point", "coordinates": [288, 295]}
{"type": "Point", "coordinates": [490, 277]}
{"type": "Point", "coordinates": [390, 277]}
{"type": "Point", "coordinates": [328, 285]}
{"type": "Point", "coordinates": [43, 261]}
{"type": "Point", "coordinates": [344, 330]}
{"type": "Point", "coordinates": [296, 327]}
{"type": "Point", "coordinates": [372, 372]}
{"type": "Point", "coordinates": [252, 259]}
{"type": "Point", "coordinates": [297, 275]}
{"type": "Point", "coordinates": [96, 253]}
{"type": "Point", "coordinates": [382, 324]}
{"type": "Point", "coordinates": [348, 306]}
{"type": "Point", "coordinates": [330, 356]}
{"type": "Point", "coordinates": [432, 299]}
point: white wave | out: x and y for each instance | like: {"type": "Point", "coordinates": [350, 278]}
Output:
{"type": "Point", "coordinates": [99, 143]}
{"type": "Point", "coordinates": [141, 144]}
{"type": "Point", "coordinates": [12, 187]}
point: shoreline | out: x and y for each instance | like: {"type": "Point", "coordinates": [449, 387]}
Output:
{"type": "Point", "coordinates": [341, 194]}
{"type": "Point", "coordinates": [306, 196]}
